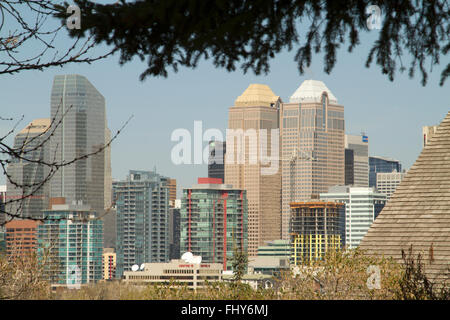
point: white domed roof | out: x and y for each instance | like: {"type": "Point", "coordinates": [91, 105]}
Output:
{"type": "Point", "coordinates": [311, 91]}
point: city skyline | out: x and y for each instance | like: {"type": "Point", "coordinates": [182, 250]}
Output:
{"type": "Point", "coordinates": [389, 119]}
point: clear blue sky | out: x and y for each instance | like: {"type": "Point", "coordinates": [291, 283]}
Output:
{"type": "Point", "coordinates": [391, 113]}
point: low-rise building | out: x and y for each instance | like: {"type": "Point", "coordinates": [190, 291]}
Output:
{"type": "Point", "coordinates": [268, 265]}
{"type": "Point", "coordinates": [177, 272]}
{"type": "Point", "coordinates": [21, 238]}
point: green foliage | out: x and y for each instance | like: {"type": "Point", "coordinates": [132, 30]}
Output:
{"type": "Point", "coordinates": [172, 33]}
{"type": "Point", "coordinates": [239, 263]}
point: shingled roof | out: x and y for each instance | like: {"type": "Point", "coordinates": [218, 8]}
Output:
{"type": "Point", "coordinates": [418, 213]}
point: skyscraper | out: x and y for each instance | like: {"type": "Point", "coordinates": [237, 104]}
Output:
{"type": "Point", "coordinates": [360, 147]}
{"type": "Point", "coordinates": [381, 164]}
{"type": "Point", "coordinates": [142, 203]}
{"type": "Point", "coordinates": [216, 161]}
{"type": "Point", "coordinates": [81, 132]}
{"type": "Point", "coordinates": [312, 145]}
{"type": "Point", "coordinates": [213, 221]}
{"type": "Point", "coordinates": [253, 119]}
{"type": "Point", "coordinates": [34, 146]}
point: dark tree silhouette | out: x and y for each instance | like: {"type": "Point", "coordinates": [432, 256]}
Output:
{"type": "Point", "coordinates": [248, 33]}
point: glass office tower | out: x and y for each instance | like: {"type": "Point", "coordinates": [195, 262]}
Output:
{"type": "Point", "coordinates": [79, 112]}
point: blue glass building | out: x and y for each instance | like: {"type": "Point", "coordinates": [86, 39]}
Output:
{"type": "Point", "coordinates": [381, 164]}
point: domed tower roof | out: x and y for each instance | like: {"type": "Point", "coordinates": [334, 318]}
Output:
{"type": "Point", "coordinates": [311, 91]}
{"type": "Point", "coordinates": [256, 95]}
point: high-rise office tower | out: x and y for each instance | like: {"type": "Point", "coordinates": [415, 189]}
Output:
{"type": "Point", "coordinates": [81, 132]}
{"type": "Point", "coordinates": [428, 132]}
{"type": "Point", "coordinates": [312, 145]}
{"type": "Point", "coordinates": [33, 141]}
{"type": "Point", "coordinates": [362, 206]}
{"type": "Point", "coordinates": [360, 147]}
{"type": "Point", "coordinates": [381, 164]}
{"type": "Point", "coordinates": [216, 161]}
{"type": "Point", "coordinates": [213, 221]}
{"type": "Point", "coordinates": [253, 137]}
{"type": "Point", "coordinates": [71, 240]}
{"type": "Point", "coordinates": [142, 203]}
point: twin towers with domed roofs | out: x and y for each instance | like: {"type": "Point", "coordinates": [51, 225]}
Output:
{"type": "Point", "coordinates": [300, 151]}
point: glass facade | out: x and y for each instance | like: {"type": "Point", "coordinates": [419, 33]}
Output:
{"type": "Point", "coordinates": [80, 115]}
{"type": "Point", "coordinates": [72, 241]}
{"type": "Point", "coordinates": [216, 161]}
{"type": "Point", "coordinates": [379, 164]}
{"type": "Point", "coordinates": [213, 221]}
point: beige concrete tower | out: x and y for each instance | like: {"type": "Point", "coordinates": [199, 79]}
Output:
{"type": "Point", "coordinates": [253, 135]}
{"type": "Point", "coordinates": [312, 145]}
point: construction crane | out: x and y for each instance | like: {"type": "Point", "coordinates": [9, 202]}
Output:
{"type": "Point", "coordinates": [296, 154]}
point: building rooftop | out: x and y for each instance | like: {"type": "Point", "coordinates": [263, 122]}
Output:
{"type": "Point", "coordinates": [256, 95]}
{"type": "Point", "coordinates": [384, 158]}
{"type": "Point", "coordinates": [311, 91]}
{"type": "Point", "coordinates": [36, 126]}
{"type": "Point", "coordinates": [418, 213]}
